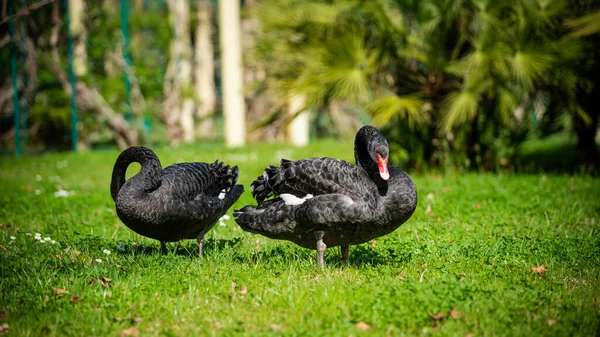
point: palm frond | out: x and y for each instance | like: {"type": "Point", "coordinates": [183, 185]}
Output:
{"type": "Point", "coordinates": [530, 65]}
{"type": "Point", "coordinates": [459, 107]}
{"type": "Point", "coordinates": [390, 106]}
{"type": "Point", "coordinates": [588, 24]}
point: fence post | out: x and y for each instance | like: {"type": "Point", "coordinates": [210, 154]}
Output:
{"type": "Point", "coordinates": [126, 56]}
{"type": "Point", "coordinates": [13, 70]}
{"type": "Point", "coordinates": [74, 132]}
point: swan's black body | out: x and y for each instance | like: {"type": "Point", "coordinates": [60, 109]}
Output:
{"type": "Point", "coordinates": [349, 205]}
{"type": "Point", "coordinates": [180, 202]}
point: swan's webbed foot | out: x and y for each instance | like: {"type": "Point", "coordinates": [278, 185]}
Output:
{"type": "Point", "coordinates": [163, 247]}
{"type": "Point", "coordinates": [345, 251]}
{"type": "Point", "coordinates": [200, 243]}
{"type": "Point", "coordinates": [320, 247]}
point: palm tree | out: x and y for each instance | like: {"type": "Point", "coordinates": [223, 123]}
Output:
{"type": "Point", "coordinates": [440, 75]}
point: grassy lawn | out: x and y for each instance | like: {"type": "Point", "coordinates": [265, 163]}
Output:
{"type": "Point", "coordinates": [462, 265]}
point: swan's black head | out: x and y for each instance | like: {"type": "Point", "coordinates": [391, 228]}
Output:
{"type": "Point", "coordinates": [371, 150]}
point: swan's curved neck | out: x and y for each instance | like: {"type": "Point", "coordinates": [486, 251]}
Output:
{"type": "Point", "coordinates": [147, 179]}
{"type": "Point", "coordinates": [367, 140]}
{"type": "Point", "coordinates": [362, 152]}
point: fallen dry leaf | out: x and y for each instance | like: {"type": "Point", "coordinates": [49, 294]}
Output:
{"type": "Point", "coordinates": [233, 288]}
{"type": "Point", "coordinates": [362, 326]}
{"type": "Point", "coordinates": [429, 210]}
{"type": "Point", "coordinates": [437, 317]}
{"type": "Point", "coordinates": [104, 281]}
{"type": "Point", "coordinates": [551, 322]}
{"type": "Point", "coordinates": [4, 328]}
{"type": "Point", "coordinates": [3, 315]}
{"type": "Point", "coordinates": [137, 320]}
{"type": "Point", "coordinates": [92, 281]}
{"type": "Point", "coordinates": [75, 299]}
{"type": "Point", "coordinates": [539, 270]}
{"type": "Point", "coordinates": [120, 267]}
{"type": "Point", "coordinates": [276, 327]}
{"type": "Point", "coordinates": [446, 189]}
{"type": "Point", "coordinates": [455, 314]}
{"type": "Point", "coordinates": [59, 291]}
{"type": "Point", "coordinates": [373, 243]}
{"type": "Point", "coordinates": [133, 331]}
{"type": "Point", "coordinates": [478, 205]}
{"type": "Point", "coordinates": [503, 161]}
{"type": "Point", "coordinates": [244, 290]}
{"type": "Point", "coordinates": [462, 274]}
{"type": "Point", "coordinates": [430, 196]}
{"type": "Point", "coordinates": [469, 335]}
{"type": "Point", "coordinates": [4, 225]}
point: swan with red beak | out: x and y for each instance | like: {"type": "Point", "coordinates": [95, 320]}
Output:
{"type": "Point", "coordinates": [327, 202]}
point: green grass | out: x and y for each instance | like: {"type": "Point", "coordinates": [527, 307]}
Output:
{"type": "Point", "coordinates": [473, 253]}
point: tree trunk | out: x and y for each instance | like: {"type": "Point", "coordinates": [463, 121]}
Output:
{"type": "Point", "coordinates": [586, 129]}
{"type": "Point", "coordinates": [298, 130]}
{"type": "Point", "coordinates": [231, 69]}
{"type": "Point", "coordinates": [179, 103]}
{"type": "Point", "coordinates": [206, 93]}
{"type": "Point", "coordinates": [77, 11]}
{"type": "Point", "coordinates": [473, 144]}
{"type": "Point", "coordinates": [88, 98]}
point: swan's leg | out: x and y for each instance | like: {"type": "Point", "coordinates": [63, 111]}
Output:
{"type": "Point", "coordinates": [320, 248]}
{"type": "Point", "coordinates": [163, 247]}
{"type": "Point", "coordinates": [200, 243]}
{"type": "Point", "coordinates": [345, 251]}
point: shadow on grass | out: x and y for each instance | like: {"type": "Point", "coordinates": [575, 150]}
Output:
{"type": "Point", "coordinates": [360, 255]}
{"type": "Point", "coordinates": [363, 255]}
{"type": "Point", "coordinates": [181, 248]}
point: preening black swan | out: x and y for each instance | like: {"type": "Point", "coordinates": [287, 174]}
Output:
{"type": "Point", "coordinates": [182, 201]}
{"type": "Point", "coordinates": [326, 202]}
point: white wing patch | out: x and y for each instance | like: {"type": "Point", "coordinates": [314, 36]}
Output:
{"type": "Point", "coordinates": [222, 194]}
{"type": "Point", "coordinates": [292, 200]}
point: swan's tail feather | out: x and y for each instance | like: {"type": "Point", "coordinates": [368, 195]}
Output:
{"type": "Point", "coordinates": [267, 184]}
{"type": "Point", "coordinates": [226, 175]}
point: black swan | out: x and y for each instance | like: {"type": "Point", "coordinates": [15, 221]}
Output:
{"type": "Point", "coordinates": [182, 201]}
{"type": "Point", "coordinates": [326, 202]}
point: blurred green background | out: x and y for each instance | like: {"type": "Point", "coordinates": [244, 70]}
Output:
{"type": "Point", "coordinates": [454, 84]}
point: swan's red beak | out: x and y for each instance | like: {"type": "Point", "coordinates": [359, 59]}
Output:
{"type": "Point", "coordinates": [383, 167]}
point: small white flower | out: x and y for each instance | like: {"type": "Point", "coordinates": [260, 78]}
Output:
{"type": "Point", "coordinates": [61, 193]}
{"type": "Point", "coordinates": [38, 236]}
{"type": "Point", "coordinates": [106, 251]}
{"type": "Point", "coordinates": [221, 223]}
{"type": "Point", "coordinates": [47, 238]}
{"type": "Point", "coordinates": [53, 242]}
{"type": "Point", "coordinates": [13, 238]}
{"type": "Point", "coordinates": [226, 217]}
{"type": "Point", "coordinates": [99, 260]}
{"type": "Point", "coordinates": [37, 192]}
{"type": "Point", "coordinates": [28, 234]}
{"type": "Point", "coordinates": [42, 241]}
{"type": "Point", "coordinates": [38, 177]}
